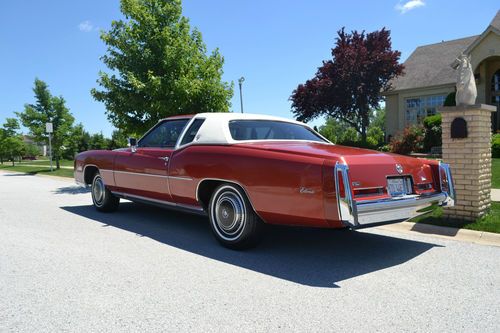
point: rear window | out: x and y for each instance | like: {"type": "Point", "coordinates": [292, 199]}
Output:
{"type": "Point", "coordinates": [270, 130]}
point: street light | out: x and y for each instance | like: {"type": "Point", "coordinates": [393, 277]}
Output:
{"type": "Point", "coordinates": [240, 81]}
{"type": "Point", "coordinates": [50, 129]}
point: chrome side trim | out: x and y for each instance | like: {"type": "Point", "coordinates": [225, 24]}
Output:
{"type": "Point", "coordinates": [150, 175]}
{"type": "Point", "coordinates": [180, 178]}
{"type": "Point", "coordinates": [168, 204]}
{"type": "Point", "coordinates": [356, 214]}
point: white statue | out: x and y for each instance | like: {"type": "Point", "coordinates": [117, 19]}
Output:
{"type": "Point", "coordinates": [466, 85]}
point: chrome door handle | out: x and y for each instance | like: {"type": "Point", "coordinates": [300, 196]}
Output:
{"type": "Point", "coordinates": [165, 158]}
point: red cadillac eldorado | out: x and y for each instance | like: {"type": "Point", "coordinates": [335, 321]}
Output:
{"type": "Point", "coordinates": [244, 170]}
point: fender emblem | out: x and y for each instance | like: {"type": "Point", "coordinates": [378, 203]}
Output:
{"type": "Point", "coordinates": [305, 190]}
{"type": "Point", "coordinates": [399, 168]}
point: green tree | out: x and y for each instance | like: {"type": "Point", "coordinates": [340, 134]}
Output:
{"type": "Point", "coordinates": [11, 143]}
{"type": "Point", "coordinates": [48, 108]}
{"type": "Point", "coordinates": [159, 67]}
{"type": "Point", "coordinates": [30, 151]}
{"type": "Point", "coordinates": [13, 147]}
{"type": "Point", "coordinates": [11, 126]}
{"type": "Point", "coordinates": [377, 118]}
{"type": "Point", "coordinates": [98, 141]}
{"type": "Point", "coordinates": [118, 140]}
{"type": "Point", "coordinates": [77, 141]}
{"type": "Point", "coordinates": [338, 131]}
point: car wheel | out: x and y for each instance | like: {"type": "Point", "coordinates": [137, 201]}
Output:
{"type": "Point", "coordinates": [232, 218]}
{"type": "Point", "coordinates": [103, 199]}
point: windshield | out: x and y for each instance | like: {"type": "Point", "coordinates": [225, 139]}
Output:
{"type": "Point", "coordinates": [270, 130]}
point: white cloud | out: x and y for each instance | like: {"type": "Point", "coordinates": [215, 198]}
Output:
{"type": "Point", "coordinates": [409, 5]}
{"type": "Point", "coordinates": [86, 26]}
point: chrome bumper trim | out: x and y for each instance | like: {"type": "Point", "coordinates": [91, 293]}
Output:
{"type": "Point", "coordinates": [356, 214]}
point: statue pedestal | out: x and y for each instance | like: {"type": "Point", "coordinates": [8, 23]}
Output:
{"type": "Point", "coordinates": [469, 156]}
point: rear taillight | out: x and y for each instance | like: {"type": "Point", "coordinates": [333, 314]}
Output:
{"type": "Point", "coordinates": [341, 193]}
{"type": "Point", "coordinates": [424, 186]}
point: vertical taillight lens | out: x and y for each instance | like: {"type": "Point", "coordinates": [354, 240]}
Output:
{"type": "Point", "coordinates": [341, 193]}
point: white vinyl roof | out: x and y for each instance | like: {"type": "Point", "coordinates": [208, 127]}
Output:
{"type": "Point", "coordinates": [215, 128]}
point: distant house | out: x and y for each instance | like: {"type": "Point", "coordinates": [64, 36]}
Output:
{"type": "Point", "coordinates": [41, 147]}
{"type": "Point", "coordinates": [430, 76]}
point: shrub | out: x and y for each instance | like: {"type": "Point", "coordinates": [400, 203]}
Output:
{"type": "Point", "coordinates": [411, 140]}
{"type": "Point", "coordinates": [495, 146]}
{"type": "Point", "coordinates": [450, 99]}
{"type": "Point", "coordinates": [375, 136]}
{"type": "Point", "coordinates": [432, 132]}
{"type": "Point", "coordinates": [384, 148]}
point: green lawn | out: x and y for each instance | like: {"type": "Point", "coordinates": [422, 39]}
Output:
{"type": "Point", "coordinates": [489, 223]}
{"type": "Point", "coordinates": [495, 173]}
{"type": "Point", "coordinates": [42, 170]}
{"type": "Point", "coordinates": [47, 162]}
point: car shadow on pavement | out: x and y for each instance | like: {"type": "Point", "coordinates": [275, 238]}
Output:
{"type": "Point", "coordinates": [74, 189]}
{"type": "Point", "coordinates": [313, 257]}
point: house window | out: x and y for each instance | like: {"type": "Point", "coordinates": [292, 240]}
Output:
{"type": "Point", "coordinates": [495, 88]}
{"type": "Point", "coordinates": [417, 108]}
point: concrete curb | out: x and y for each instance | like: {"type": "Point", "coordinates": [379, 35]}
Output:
{"type": "Point", "coordinates": [463, 235]}
{"type": "Point", "coordinates": [495, 194]}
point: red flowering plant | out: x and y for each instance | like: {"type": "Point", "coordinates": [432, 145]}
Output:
{"type": "Point", "coordinates": [410, 140]}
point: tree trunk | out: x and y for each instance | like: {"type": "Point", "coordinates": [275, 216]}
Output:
{"type": "Point", "coordinates": [58, 166]}
{"type": "Point", "coordinates": [365, 122]}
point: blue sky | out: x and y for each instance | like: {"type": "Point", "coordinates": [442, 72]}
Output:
{"type": "Point", "coordinates": [274, 44]}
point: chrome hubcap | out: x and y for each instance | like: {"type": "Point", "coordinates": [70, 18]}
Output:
{"type": "Point", "coordinates": [230, 214]}
{"type": "Point", "coordinates": [98, 191]}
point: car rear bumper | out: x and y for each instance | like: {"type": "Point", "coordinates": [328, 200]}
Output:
{"type": "Point", "coordinates": [357, 214]}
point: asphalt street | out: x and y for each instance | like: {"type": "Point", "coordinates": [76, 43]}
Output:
{"type": "Point", "coordinates": [66, 267]}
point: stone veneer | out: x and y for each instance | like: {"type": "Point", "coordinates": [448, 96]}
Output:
{"type": "Point", "coordinates": [469, 159]}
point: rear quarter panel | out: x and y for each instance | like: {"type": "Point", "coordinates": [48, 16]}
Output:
{"type": "Point", "coordinates": [272, 180]}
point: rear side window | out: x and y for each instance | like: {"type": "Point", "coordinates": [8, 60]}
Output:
{"type": "Point", "coordinates": [191, 131]}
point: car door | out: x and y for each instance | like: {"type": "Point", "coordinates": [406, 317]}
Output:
{"type": "Point", "coordinates": [143, 172]}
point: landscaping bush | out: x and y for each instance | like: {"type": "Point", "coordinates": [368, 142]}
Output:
{"type": "Point", "coordinates": [432, 132]}
{"type": "Point", "coordinates": [411, 140]}
{"type": "Point", "coordinates": [495, 146]}
{"type": "Point", "coordinates": [450, 99]}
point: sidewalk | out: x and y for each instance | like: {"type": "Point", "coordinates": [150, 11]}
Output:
{"type": "Point", "coordinates": [44, 166]}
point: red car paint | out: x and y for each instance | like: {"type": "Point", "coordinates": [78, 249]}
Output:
{"type": "Point", "coordinates": [288, 183]}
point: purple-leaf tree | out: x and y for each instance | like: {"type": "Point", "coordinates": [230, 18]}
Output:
{"type": "Point", "coordinates": [350, 84]}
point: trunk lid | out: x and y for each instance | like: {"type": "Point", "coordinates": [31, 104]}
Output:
{"type": "Point", "coordinates": [368, 169]}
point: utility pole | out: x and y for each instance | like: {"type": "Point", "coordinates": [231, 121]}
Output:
{"type": "Point", "coordinates": [240, 81]}
{"type": "Point", "coordinates": [49, 129]}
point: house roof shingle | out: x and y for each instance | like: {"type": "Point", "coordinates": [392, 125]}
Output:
{"type": "Point", "coordinates": [495, 23]}
{"type": "Point", "coordinates": [429, 65]}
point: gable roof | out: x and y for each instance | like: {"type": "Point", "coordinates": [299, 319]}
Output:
{"type": "Point", "coordinates": [429, 65]}
{"type": "Point", "coordinates": [495, 23]}
{"type": "Point", "coordinates": [493, 27]}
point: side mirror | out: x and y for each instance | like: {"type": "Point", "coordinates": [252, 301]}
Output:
{"type": "Point", "coordinates": [132, 143]}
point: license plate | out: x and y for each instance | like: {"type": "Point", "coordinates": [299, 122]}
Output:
{"type": "Point", "coordinates": [398, 186]}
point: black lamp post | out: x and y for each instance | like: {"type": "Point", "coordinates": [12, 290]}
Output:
{"type": "Point", "coordinates": [240, 82]}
